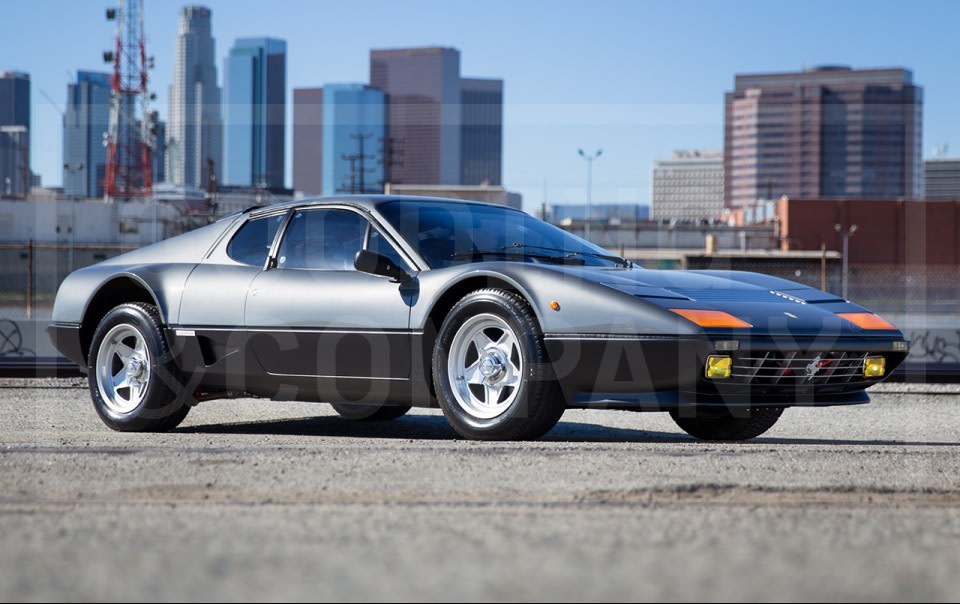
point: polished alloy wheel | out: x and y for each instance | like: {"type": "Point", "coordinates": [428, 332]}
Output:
{"type": "Point", "coordinates": [485, 366]}
{"type": "Point", "coordinates": [123, 369]}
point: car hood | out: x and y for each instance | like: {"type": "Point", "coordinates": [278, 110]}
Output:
{"type": "Point", "coordinates": [769, 304]}
{"type": "Point", "coordinates": [701, 286]}
{"type": "Point", "coordinates": [711, 286]}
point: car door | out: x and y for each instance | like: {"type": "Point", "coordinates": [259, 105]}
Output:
{"type": "Point", "coordinates": [311, 314]}
{"type": "Point", "coordinates": [211, 328]}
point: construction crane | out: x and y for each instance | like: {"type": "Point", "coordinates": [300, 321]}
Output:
{"type": "Point", "coordinates": [131, 136]}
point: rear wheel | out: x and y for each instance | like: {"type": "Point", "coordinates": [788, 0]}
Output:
{"type": "Point", "coordinates": [370, 413]}
{"type": "Point", "coordinates": [491, 372]}
{"type": "Point", "coordinates": [134, 382]}
{"type": "Point", "coordinates": [721, 424]}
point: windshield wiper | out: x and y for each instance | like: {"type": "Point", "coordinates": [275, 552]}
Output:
{"type": "Point", "coordinates": [572, 253]}
{"type": "Point", "coordinates": [504, 252]}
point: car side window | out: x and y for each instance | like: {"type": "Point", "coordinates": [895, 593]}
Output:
{"type": "Point", "coordinates": [378, 244]}
{"type": "Point", "coordinates": [324, 239]}
{"type": "Point", "coordinates": [251, 244]}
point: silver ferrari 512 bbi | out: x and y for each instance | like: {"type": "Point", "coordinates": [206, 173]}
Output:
{"type": "Point", "coordinates": [376, 304]}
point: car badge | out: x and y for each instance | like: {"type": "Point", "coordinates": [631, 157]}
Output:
{"type": "Point", "coordinates": [791, 315]}
{"type": "Point", "coordinates": [814, 367]}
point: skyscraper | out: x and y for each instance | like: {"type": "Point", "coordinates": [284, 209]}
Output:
{"type": "Point", "coordinates": [194, 126]}
{"type": "Point", "coordinates": [688, 186]}
{"type": "Point", "coordinates": [85, 122]}
{"type": "Point", "coordinates": [423, 89]}
{"type": "Point", "coordinates": [255, 82]}
{"type": "Point", "coordinates": [338, 139]}
{"type": "Point", "coordinates": [827, 132]}
{"type": "Point", "coordinates": [14, 133]}
{"type": "Point", "coordinates": [354, 129]}
{"type": "Point", "coordinates": [481, 134]}
{"type": "Point", "coordinates": [308, 140]}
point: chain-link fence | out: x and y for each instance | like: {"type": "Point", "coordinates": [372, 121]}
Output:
{"type": "Point", "coordinates": [30, 274]}
{"type": "Point", "coordinates": [923, 300]}
{"type": "Point", "coordinates": [884, 288]}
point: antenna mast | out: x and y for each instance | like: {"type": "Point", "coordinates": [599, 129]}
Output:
{"type": "Point", "coordinates": [132, 134]}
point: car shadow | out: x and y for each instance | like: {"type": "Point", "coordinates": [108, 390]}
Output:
{"type": "Point", "coordinates": [435, 427]}
{"type": "Point", "coordinates": [420, 427]}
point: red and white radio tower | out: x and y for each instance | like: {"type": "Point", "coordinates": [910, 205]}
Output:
{"type": "Point", "coordinates": [131, 137]}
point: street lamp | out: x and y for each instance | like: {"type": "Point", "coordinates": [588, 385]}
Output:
{"type": "Point", "coordinates": [589, 159]}
{"type": "Point", "coordinates": [846, 252]}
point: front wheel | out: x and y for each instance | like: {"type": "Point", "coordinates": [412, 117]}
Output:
{"type": "Point", "coordinates": [491, 372]}
{"type": "Point", "coordinates": [721, 424]}
{"type": "Point", "coordinates": [135, 384]}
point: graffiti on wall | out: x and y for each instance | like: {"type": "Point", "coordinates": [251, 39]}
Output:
{"type": "Point", "coordinates": [11, 340]}
{"type": "Point", "coordinates": [935, 346]}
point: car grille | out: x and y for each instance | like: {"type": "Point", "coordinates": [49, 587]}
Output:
{"type": "Point", "coordinates": [797, 368]}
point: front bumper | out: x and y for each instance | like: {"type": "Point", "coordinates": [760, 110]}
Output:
{"type": "Point", "coordinates": [66, 339]}
{"type": "Point", "coordinates": [665, 372]}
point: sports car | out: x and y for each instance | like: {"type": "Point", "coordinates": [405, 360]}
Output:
{"type": "Point", "coordinates": [376, 304]}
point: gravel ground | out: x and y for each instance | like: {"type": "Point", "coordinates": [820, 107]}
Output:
{"type": "Point", "coordinates": [253, 500]}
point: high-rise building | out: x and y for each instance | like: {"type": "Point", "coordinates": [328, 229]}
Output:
{"type": "Point", "coordinates": [15, 172]}
{"type": "Point", "coordinates": [688, 186]}
{"type": "Point", "coordinates": [941, 178]}
{"type": "Point", "coordinates": [14, 99]}
{"type": "Point", "coordinates": [85, 122]}
{"type": "Point", "coordinates": [481, 133]}
{"type": "Point", "coordinates": [308, 140]}
{"type": "Point", "coordinates": [338, 139]}
{"type": "Point", "coordinates": [354, 132]}
{"type": "Point", "coordinates": [194, 125]}
{"type": "Point", "coordinates": [826, 132]}
{"type": "Point", "coordinates": [423, 90]}
{"type": "Point", "coordinates": [255, 83]}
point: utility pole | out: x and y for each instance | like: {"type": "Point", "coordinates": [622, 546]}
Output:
{"type": "Point", "coordinates": [358, 169]}
{"type": "Point", "coordinates": [846, 234]}
{"type": "Point", "coordinates": [589, 159]}
{"type": "Point", "coordinates": [391, 149]}
{"type": "Point", "coordinates": [823, 266]}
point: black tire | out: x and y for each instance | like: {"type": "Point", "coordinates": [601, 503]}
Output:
{"type": "Point", "coordinates": [538, 402]}
{"type": "Point", "coordinates": [370, 413]}
{"type": "Point", "coordinates": [721, 424]}
{"type": "Point", "coordinates": [164, 403]}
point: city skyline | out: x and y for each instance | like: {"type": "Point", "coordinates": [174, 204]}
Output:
{"type": "Point", "coordinates": [674, 100]}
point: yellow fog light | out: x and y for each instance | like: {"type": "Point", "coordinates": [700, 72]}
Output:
{"type": "Point", "coordinates": [718, 367]}
{"type": "Point", "coordinates": [874, 367]}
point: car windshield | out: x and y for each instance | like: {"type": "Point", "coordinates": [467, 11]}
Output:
{"type": "Point", "coordinates": [455, 233]}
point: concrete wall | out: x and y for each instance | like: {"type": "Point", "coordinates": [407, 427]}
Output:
{"type": "Point", "coordinates": [87, 221]}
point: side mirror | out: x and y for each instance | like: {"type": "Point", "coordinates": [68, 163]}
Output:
{"type": "Point", "coordinates": [378, 264]}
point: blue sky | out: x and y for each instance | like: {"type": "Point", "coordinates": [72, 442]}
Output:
{"type": "Point", "coordinates": [636, 78]}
